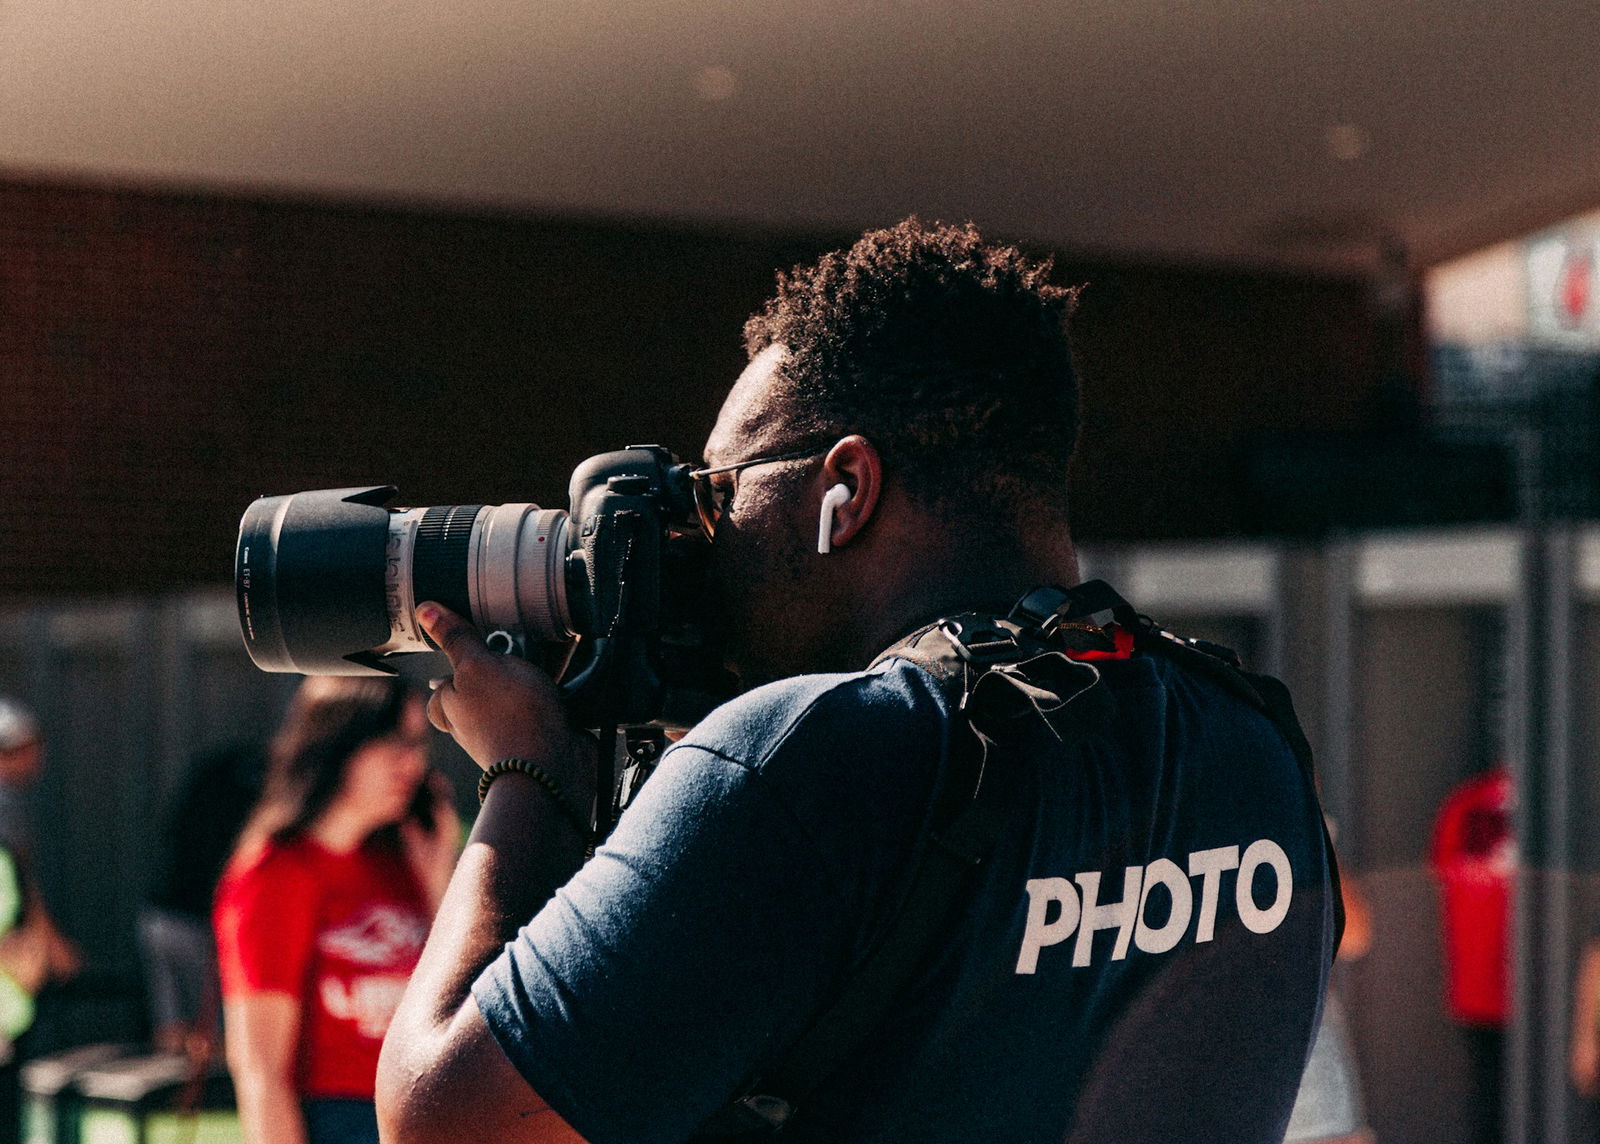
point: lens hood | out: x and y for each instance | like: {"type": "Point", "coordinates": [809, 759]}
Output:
{"type": "Point", "coordinates": [309, 572]}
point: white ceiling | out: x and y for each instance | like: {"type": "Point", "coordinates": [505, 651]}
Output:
{"type": "Point", "coordinates": [1145, 128]}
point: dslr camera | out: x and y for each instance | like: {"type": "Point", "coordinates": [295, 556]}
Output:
{"type": "Point", "coordinates": [607, 595]}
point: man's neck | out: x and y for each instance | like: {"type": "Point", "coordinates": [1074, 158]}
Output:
{"type": "Point", "coordinates": [909, 602]}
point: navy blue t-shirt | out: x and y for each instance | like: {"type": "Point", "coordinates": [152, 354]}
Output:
{"type": "Point", "coordinates": [1144, 959]}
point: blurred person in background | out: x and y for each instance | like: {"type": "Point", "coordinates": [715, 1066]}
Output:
{"type": "Point", "coordinates": [21, 756]}
{"type": "Point", "coordinates": [1330, 1108]}
{"type": "Point", "coordinates": [33, 950]}
{"type": "Point", "coordinates": [323, 908]}
{"type": "Point", "coordinates": [1584, 1059]}
{"type": "Point", "coordinates": [199, 828]}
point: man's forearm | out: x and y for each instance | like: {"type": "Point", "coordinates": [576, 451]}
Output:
{"type": "Point", "coordinates": [522, 848]}
{"type": "Point", "coordinates": [520, 851]}
{"type": "Point", "coordinates": [440, 1058]}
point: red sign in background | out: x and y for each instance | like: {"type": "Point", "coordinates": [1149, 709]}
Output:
{"type": "Point", "coordinates": [1576, 286]}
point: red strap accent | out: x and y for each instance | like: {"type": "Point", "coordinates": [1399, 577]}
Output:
{"type": "Point", "coordinates": [1121, 637]}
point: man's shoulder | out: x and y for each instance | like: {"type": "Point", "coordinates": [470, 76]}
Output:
{"type": "Point", "coordinates": [848, 712]}
{"type": "Point", "coordinates": [1203, 695]}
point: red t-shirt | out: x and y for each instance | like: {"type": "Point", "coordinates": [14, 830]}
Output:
{"type": "Point", "coordinates": [341, 932]}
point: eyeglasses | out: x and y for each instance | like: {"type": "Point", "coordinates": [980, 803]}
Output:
{"type": "Point", "coordinates": [711, 499]}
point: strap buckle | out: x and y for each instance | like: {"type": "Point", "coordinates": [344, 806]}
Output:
{"type": "Point", "coordinates": [1041, 609]}
{"type": "Point", "coordinates": [980, 640]}
{"type": "Point", "coordinates": [1045, 609]}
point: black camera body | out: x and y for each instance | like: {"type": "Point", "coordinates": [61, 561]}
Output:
{"type": "Point", "coordinates": [608, 595]}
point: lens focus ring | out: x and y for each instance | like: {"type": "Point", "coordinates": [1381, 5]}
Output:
{"type": "Point", "coordinates": [439, 565]}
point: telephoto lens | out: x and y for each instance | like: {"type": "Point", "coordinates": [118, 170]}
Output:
{"type": "Point", "coordinates": [328, 581]}
{"type": "Point", "coordinates": [611, 598]}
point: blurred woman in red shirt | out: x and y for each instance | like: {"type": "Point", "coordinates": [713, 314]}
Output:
{"type": "Point", "coordinates": [321, 914]}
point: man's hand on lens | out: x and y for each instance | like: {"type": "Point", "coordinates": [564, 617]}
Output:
{"type": "Point", "coordinates": [501, 706]}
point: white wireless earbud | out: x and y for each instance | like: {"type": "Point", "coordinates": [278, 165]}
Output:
{"type": "Point", "coordinates": [831, 500]}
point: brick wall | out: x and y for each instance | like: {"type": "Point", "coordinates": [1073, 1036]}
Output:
{"type": "Point", "coordinates": [165, 358]}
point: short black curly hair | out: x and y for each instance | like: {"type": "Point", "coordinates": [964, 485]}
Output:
{"type": "Point", "coordinates": [947, 352]}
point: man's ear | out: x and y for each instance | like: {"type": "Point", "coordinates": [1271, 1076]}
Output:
{"type": "Point", "coordinates": [857, 465]}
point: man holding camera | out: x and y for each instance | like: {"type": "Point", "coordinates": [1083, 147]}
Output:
{"type": "Point", "coordinates": [1137, 947]}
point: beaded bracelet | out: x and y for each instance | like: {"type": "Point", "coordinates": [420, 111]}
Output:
{"type": "Point", "coordinates": [537, 773]}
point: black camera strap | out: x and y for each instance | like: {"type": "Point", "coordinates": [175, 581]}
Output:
{"type": "Point", "coordinates": [1009, 678]}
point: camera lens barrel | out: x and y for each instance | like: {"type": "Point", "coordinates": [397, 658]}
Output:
{"type": "Point", "coordinates": [328, 581]}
